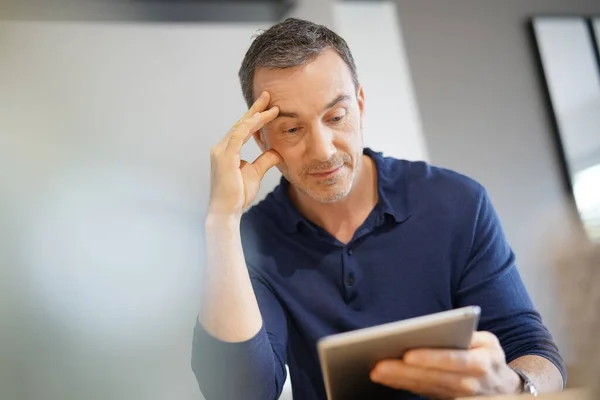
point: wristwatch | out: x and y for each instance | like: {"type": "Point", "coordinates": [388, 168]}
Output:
{"type": "Point", "coordinates": [527, 386]}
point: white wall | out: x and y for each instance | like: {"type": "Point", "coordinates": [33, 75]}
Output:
{"type": "Point", "coordinates": [104, 136]}
{"type": "Point", "coordinates": [105, 131]}
{"type": "Point", "coordinates": [393, 122]}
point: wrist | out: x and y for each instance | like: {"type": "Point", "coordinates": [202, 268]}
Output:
{"type": "Point", "coordinates": [218, 222]}
{"type": "Point", "coordinates": [514, 383]}
{"type": "Point", "coordinates": [526, 385]}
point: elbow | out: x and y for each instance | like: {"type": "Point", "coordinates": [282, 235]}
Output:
{"type": "Point", "coordinates": [221, 380]}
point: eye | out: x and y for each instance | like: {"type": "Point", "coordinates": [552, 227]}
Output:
{"type": "Point", "coordinates": [291, 131]}
{"type": "Point", "coordinates": [337, 118]}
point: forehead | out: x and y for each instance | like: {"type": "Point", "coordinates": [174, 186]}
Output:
{"type": "Point", "coordinates": [314, 83]}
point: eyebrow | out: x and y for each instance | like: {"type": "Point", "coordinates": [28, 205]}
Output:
{"type": "Point", "coordinates": [338, 99]}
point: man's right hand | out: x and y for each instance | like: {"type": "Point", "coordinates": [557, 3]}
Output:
{"type": "Point", "coordinates": [234, 182]}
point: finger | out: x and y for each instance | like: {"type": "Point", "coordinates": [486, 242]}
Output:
{"type": "Point", "coordinates": [259, 105]}
{"type": "Point", "coordinates": [397, 374]}
{"type": "Point", "coordinates": [244, 132]}
{"type": "Point", "coordinates": [245, 123]}
{"type": "Point", "coordinates": [237, 137]}
{"type": "Point", "coordinates": [264, 118]}
{"type": "Point", "coordinates": [429, 392]}
{"type": "Point", "coordinates": [484, 339]}
{"type": "Point", "coordinates": [265, 162]}
{"type": "Point", "coordinates": [396, 378]}
{"type": "Point", "coordinates": [474, 361]}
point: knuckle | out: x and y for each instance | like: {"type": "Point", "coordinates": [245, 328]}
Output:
{"type": "Point", "coordinates": [490, 337]}
{"type": "Point", "coordinates": [469, 386]}
{"type": "Point", "coordinates": [251, 120]}
{"type": "Point", "coordinates": [410, 356]}
{"type": "Point", "coordinates": [458, 359]}
{"type": "Point", "coordinates": [480, 366]}
{"type": "Point", "coordinates": [241, 131]}
{"type": "Point", "coordinates": [480, 362]}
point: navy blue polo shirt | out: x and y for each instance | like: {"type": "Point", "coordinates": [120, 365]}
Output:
{"type": "Point", "coordinates": [432, 243]}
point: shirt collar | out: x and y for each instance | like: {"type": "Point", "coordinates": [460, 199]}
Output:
{"type": "Point", "coordinates": [391, 188]}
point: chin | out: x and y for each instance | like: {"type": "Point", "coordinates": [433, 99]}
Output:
{"type": "Point", "coordinates": [329, 195]}
{"type": "Point", "coordinates": [326, 190]}
{"type": "Point", "coordinates": [331, 198]}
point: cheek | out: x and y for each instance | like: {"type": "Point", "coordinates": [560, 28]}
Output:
{"type": "Point", "coordinates": [274, 140]}
{"type": "Point", "coordinates": [287, 149]}
{"type": "Point", "coordinates": [292, 162]}
{"type": "Point", "coordinates": [355, 124]}
{"type": "Point", "coordinates": [350, 137]}
{"type": "Point", "coordinates": [288, 153]}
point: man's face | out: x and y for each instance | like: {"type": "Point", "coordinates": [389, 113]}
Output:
{"type": "Point", "coordinates": [318, 132]}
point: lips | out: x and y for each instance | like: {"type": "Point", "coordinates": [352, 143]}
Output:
{"type": "Point", "coordinates": [328, 173]}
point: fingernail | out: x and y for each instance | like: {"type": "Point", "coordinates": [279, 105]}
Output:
{"type": "Point", "coordinates": [375, 376]}
{"type": "Point", "coordinates": [262, 96]}
{"type": "Point", "coordinates": [378, 371]}
{"type": "Point", "coordinates": [256, 115]}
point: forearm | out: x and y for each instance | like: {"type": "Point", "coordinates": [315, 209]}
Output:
{"type": "Point", "coordinates": [545, 376]}
{"type": "Point", "coordinates": [229, 310]}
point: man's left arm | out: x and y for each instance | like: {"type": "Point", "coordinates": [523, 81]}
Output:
{"type": "Point", "coordinates": [511, 330]}
{"type": "Point", "coordinates": [491, 280]}
{"type": "Point", "coordinates": [545, 376]}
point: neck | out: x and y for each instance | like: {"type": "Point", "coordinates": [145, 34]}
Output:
{"type": "Point", "coordinates": [342, 218]}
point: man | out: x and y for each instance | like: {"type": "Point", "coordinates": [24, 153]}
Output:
{"type": "Point", "coordinates": [349, 239]}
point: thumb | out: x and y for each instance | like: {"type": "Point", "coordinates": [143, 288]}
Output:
{"type": "Point", "coordinates": [484, 339]}
{"type": "Point", "coordinates": [265, 162]}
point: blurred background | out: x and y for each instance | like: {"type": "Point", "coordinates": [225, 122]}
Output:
{"type": "Point", "coordinates": [108, 109]}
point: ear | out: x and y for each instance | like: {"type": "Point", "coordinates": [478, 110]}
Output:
{"type": "Point", "coordinates": [259, 139]}
{"type": "Point", "coordinates": [360, 96]}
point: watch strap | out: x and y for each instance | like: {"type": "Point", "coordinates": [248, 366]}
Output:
{"type": "Point", "coordinates": [527, 385]}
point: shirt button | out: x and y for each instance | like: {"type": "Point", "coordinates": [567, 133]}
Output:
{"type": "Point", "coordinates": [350, 280]}
{"type": "Point", "coordinates": [349, 251]}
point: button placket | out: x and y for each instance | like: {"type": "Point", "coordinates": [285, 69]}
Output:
{"type": "Point", "coordinates": [350, 279]}
{"type": "Point", "coordinates": [350, 274]}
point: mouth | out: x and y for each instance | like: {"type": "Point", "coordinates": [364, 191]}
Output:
{"type": "Point", "coordinates": [327, 174]}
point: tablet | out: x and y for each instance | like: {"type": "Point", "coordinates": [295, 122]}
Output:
{"type": "Point", "coordinates": [348, 358]}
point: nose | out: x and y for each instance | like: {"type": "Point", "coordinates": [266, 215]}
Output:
{"type": "Point", "coordinates": [320, 143]}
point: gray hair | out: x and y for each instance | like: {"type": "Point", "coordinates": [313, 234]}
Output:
{"type": "Point", "coordinates": [290, 43]}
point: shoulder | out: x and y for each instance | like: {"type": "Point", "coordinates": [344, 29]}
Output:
{"type": "Point", "coordinates": [437, 198]}
{"type": "Point", "coordinates": [446, 199]}
{"type": "Point", "coordinates": [441, 184]}
{"type": "Point", "coordinates": [422, 184]}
